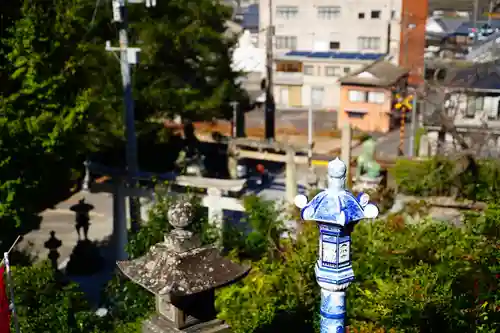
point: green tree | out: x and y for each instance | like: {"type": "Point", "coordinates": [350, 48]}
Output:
{"type": "Point", "coordinates": [185, 64]}
{"type": "Point", "coordinates": [61, 93]}
{"type": "Point", "coordinates": [44, 108]}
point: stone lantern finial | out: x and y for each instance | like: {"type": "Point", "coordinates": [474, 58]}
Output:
{"type": "Point", "coordinates": [180, 214]}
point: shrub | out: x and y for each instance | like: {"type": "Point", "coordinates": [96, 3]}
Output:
{"type": "Point", "coordinates": [259, 232]}
{"type": "Point", "coordinates": [44, 304]}
{"type": "Point", "coordinates": [423, 277]}
{"type": "Point", "coordinates": [435, 177]}
{"type": "Point", "coordinates": [277, 295]}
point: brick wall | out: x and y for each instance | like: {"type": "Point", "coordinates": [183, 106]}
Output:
{"type": "Point", "coordinates": [414, 12]}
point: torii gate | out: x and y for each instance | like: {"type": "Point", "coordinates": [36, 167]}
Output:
{"type": "Point", "coordinates": [214, 200]}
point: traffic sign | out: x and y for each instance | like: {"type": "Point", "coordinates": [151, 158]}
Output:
{"type": "Point", "coordinates": [404, 102]}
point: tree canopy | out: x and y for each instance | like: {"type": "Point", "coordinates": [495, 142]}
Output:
{"type": "Point", "coordinates": [61, 93]}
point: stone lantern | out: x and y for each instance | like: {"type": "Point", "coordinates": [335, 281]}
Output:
{"type": "Point", "coordinates": [183, 275]}
{"type": "Point", "coordinates": [336, 210]}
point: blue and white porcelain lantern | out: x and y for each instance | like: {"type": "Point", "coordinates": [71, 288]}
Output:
{"type": "Point", "coordinates": [336, 210]}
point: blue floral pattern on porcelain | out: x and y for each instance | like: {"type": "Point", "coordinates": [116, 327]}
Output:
{"type": "Point", "coordinates": [336, 205]}
{"type": "Point", "coordinates": [332, 311]}
{"type": "Point", "coordinates": [334, 208]}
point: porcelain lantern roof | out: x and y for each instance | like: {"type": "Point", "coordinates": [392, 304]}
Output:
{"type": "Point", "coordinates": [335, 204]}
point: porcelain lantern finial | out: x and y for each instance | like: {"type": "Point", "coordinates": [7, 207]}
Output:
{"type": "Point", "coordinates": [336, 205]}
{"type": "Point", "coordinates": [336, 176]}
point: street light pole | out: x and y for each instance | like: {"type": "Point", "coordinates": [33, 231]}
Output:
{"type": "Point", "coordinates": [270, 106]}
{"type": "Point", "coordinates": [130, 133]}
{"type": "Point", "coordinates": [127, 53]}
{"type": "Point", "coordinates": [411, 148]}
{"type": "Point", "coordinates": [235, 120]}
{"type": "Point", "coordinates": [310, 130]}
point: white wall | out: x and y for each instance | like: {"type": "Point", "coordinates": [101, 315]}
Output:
{"type": "Point", "coordinates": [346, 29]}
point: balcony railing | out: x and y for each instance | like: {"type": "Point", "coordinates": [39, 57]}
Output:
{"type": "Point", "coordinates": [289, 78]}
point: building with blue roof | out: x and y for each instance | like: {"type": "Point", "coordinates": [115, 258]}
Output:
{"type": "Point", "coordinates": [316, 43]}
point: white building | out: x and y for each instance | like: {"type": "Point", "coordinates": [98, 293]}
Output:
{"type": "Point", "coordinates": [331, 38]}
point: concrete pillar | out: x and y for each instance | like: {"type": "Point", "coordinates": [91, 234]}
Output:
{"type": "Point", "coordinates": [291, 176]}
{"type": "Point", "coordinates": [424, 146]}
{"type": "Point", "coordinates": [345, 149]}
{"type": "Point", "coordinates": [120, 230]}
{"type": "Point", "coordinates": [146, 204]}
{"type": "Point", "coordinates": [215, 211]}
{"type": "Point", "coordinates": [232, 161]}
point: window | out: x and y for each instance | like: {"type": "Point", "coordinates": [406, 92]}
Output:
{"type": "Point", "coordinates": [317, 95]}
{"type": "Point", "coordinates": [479, 103]}
{"type": "Point", "coordinates": [347, 70]}
{"type": "Point", "coordinates": [495, 113]}
{"type": "Point", "coordinates": [369, 43]}
{"type": "Point", "coordinates": [375, 14]}
{"type": "Point", "coordinates": [361, 15]}
{"type": "Point", "coordinates": [287, 12]}
{"type": "Point", "coordinates": [334, 45]}
{"type": "Point", "coordinates": [289, 67]}
{"type": "Point", "coordinates": [328, 12]}
{"type": "Point", "coordinates": [309, 70]}
{"type": "Point", "coordinates": [473, 104]}
{"type": "Point", "coordinates": [286, 42]}
{"type": "Point", "coordinates": [376, 97]}
{"type": "Point", "coordinates": [332, 71]}
{"type": "Point", "coordinates": [357, 96]}
{"type": "Point", "coordinates": [491, 109]}
{"type": "Point", "coordinates": [355, 114]}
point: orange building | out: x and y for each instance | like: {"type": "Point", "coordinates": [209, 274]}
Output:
{"type": "Point", "coordinates": [367, 97]}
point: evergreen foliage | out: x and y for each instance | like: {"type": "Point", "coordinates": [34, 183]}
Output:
{"type": "Point", "coordinates": [61, 91]}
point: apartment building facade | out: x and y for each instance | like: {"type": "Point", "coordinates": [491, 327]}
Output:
{"type": "Point", "coordinates": [393, 29]}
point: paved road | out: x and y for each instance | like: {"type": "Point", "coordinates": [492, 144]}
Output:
{"type": "Point", "coordinates": [323, 121]}
{"type": "Point", "coordinates": [61, 220]}
{"type": "Point", "coordinates": [387, 144]}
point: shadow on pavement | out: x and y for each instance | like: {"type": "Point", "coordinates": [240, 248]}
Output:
{"type": "Point", "coordinates": [82, 218]}
{"type": "Point", "coordinates": [91, 266]}
{"type": "Point", "coordinates": [86, 259]}
{"type": "Point", "coordinates": [53, 244]}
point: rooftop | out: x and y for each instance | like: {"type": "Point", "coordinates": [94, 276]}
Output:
{"type": "Point", "coordinates": [379, 73]}
{"type": "Point", "coordinates": [458, 5]}
{"type": "Point", "coordinates": [481, 76]}
{"type": "Point", "coordinates": [251, 18]}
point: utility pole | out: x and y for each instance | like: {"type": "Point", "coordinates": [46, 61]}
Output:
{"type": "Point", "coordinates": [310, 130]}
{"type": "Point", "coordinates": [270, 107]}
{"type": "Point", "coordinates": [128, 55]}
{"type": "Point", "coordinates": [413, 134]}
{"type": "Point", "coordinates": [474, 19]}
{"type": "Point", "coordinates": [491, 8]}
{"type": "Point", "coordinates": [234, 122]}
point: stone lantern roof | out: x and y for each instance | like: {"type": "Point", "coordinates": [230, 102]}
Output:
{"type": "Point", "coordinates": [180, 266]}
